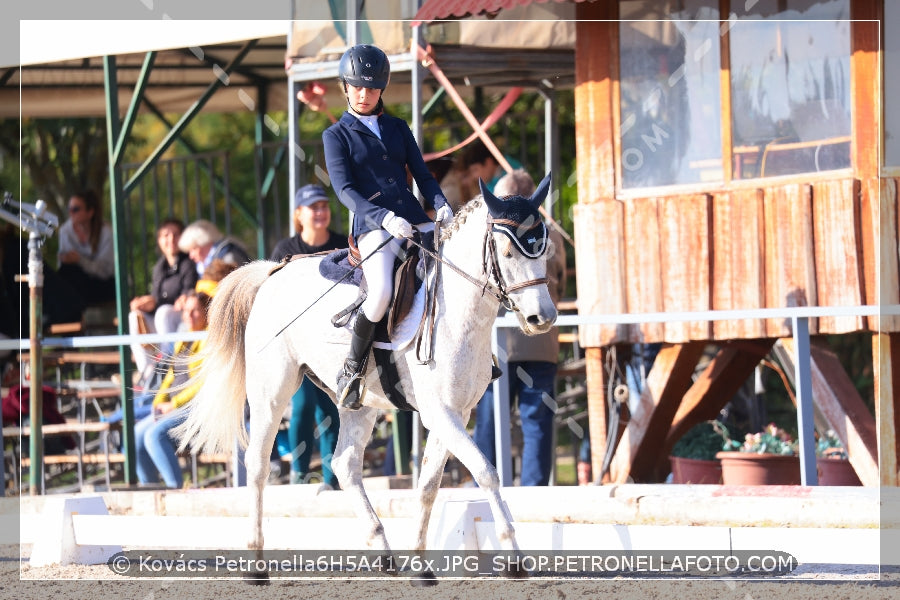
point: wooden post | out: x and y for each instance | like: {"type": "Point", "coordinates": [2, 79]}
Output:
{"type": "Point", "coordinates": [594, 359]}
{"type": "Point", "coordinates": [596, 46]}
{"type": "Point", "coordinates": [650, 420]}
{"type": "Point", "coordinates": [596, 77]}
{"type": "Point", "coordinates": [886, 353]}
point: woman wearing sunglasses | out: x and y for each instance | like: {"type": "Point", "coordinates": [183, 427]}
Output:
{"type": "Point", "coordinates": [86, 253]}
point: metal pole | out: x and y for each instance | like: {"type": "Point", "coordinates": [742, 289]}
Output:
{"type": "Point", "coordinates": [551, 148]}
{"type": "Point", "coordinates": [36, 396]}
{"type": "Point", "coordinates": [501, 410]}
{"type": "Point", "coordinates": [115, 139]}
{"type": "Point", "coordinates": [803, 377]}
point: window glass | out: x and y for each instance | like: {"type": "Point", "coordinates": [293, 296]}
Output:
{"type": "Point", "coordinates": [669, 93]}
{"type": "Point", "coordinates": [891, 85]}
{"type": "Point", "coordinates": [790, 87]}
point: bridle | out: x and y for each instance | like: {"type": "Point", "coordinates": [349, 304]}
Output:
{"type": "Point", "coordinates": [491, 263]}
{"type": "Point", "coordinates": [498, 288]}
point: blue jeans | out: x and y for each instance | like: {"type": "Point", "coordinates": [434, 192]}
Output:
{"type": "Point", "coordinates": [313, 415]}
{"type": "Point", "coordinates": [143, 406]}
{"type": "Point", "coordinates": [533, 383]}
{"type": "Point", "coordinates": [155, 449]}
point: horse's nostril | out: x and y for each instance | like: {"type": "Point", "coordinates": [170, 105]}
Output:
{"type": "Point", "coordinates": [534, 320]}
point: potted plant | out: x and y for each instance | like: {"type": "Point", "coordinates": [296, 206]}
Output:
{"type": "Point", "coordinates": [768, 457]}
{"type": "Point", "coordinates": [832, 462]}
{"type": "Point", "coordinates": [693, 457]}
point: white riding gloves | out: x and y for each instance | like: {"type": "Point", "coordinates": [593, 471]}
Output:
{"type": "Point", "coordinates": [397, 226]}
{"type": "Point", "coordinates": [444, 214]}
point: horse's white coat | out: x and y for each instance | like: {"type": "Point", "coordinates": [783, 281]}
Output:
{"type": "Point", "coordinates": [246, 358]}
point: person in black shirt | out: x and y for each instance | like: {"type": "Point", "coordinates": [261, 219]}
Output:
{"type": "Point", "coordinates": [310, 407]}
{"type": "Point", "coordinates": [312, 218]}
{"type": "Point", "coordinates": [174, 276]}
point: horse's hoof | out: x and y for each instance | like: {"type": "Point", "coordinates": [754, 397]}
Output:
{"type": "Point", "coordinates": [257, 578]}
{"type": "Point", "coordinates": [515, 573]}
{"type": "Point", "coordinates": [424, 579]}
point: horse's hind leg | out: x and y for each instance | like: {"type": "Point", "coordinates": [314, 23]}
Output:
{"type": "Point", "coordinates": [264, 419]}
{"type": "Point", "coordinates": [347, 464]}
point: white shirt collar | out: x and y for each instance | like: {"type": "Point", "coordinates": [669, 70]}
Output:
{"type": "Point", "coordinates": [370, 121]}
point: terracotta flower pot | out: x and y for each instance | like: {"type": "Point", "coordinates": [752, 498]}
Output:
{"type": "Point", "coordinates": [747, 468]}
{"type": "Point", "coordinates": [836, 471]}
{"type": "Point", "coordinates": [692, 470]}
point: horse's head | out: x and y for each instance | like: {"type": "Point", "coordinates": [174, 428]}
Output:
{"type": "Point", "coordinates": [515, 256]}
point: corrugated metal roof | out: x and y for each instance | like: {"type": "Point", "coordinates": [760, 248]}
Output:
{"type": "Point", "coordinates": [445, 9]}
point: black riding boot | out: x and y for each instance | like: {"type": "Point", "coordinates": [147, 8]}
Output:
{"type": "Point", "coordinates": [350, 377]}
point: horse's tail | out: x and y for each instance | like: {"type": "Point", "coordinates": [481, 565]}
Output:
{"type": "Point", "coordinates": [216, 414]}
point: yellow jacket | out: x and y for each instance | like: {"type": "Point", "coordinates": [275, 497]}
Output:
{"type": "Point", "coordinates": [183, 396]}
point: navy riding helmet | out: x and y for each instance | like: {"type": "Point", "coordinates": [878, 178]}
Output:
{"type": "Point", "coordinates": [365, 66]}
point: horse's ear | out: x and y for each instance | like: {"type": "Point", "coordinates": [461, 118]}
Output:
{"type": "Point", "coordinates": [540, 194]}
{"type": "Point", "coordinates": [494, 204]}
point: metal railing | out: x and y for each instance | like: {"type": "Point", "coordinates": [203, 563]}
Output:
{"type": "Point", "coordinates": [799, 317]}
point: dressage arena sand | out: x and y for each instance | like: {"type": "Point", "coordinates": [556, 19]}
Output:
{"type": "Point", "coordinates": [21, 582]}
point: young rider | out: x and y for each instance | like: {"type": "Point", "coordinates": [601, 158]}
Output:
{"type": "Point", "coordinates": [367, 153]}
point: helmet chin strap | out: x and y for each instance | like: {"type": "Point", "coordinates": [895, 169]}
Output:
{"type": "Point", "coordinates": [379, 108]}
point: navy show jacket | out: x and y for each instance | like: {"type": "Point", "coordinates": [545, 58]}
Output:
{"type": "Point", "coordinates": [369, 174]}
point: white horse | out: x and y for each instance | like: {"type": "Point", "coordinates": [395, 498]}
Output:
{"type": "Point", "coordinates": [494, 250]}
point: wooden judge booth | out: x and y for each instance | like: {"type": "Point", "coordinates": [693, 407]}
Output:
{"type": "Point", "coordinates": [734, 164]}
{"type": "Point", "coordinates": [732, 159]}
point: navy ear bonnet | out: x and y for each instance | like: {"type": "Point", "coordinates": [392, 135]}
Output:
{"type": "Point", "coordinates": [519, 219]}
{"type": "Point", "coordinates": [530, 234]}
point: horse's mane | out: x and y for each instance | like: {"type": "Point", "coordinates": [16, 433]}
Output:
{"type": "Point", "coordinates": [460, 217]}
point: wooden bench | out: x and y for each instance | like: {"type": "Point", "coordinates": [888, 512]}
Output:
{"type": "Point", "coordinates": [195, 460]}
{"type": "Point", "coordinates": [94, 395]}
{"type": "Point", "coordinates": [67, 328]}
{"type": "Point", "coordinates": [80, 457]}
{"type": "Point", "coordinates": [104, 357]}
{"type": "Point", "coordinates": [74, 459]}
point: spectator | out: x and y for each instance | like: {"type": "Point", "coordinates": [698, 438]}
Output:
{"type": "Point", "coordinates": [476, 162]}
{"type": "Point", "coordinates": [531, 363]}
{"type": "Point", "coordinates": [174, 275]}
{"type": "Point", "coordinates": [154, 446]}
{"type": "Point", "coordinates": [203, 242]}
{"type": "Point", "coordinates": [217, 270]}
{"type": "Point", "coordinates": [61, 301]}
{"type": "Point", "coordinates": [312, 218]}
{"type": "Point", "coordinates": [312, 411]}
{"type": "Point", "coordinates": [86, 252]}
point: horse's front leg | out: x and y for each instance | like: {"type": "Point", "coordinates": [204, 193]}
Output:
{"type": "Point", "coordinates": [449, 427]}
{"type": "Point", "coordinates": [347, 464]}
{"type": "Point", "coordinates": [432, 471]}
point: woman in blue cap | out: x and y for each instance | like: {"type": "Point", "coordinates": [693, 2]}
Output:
{"type": "Point", "coordinates": [312, 218]}
{"type": "Point", "coordinates": [367, 153]}
{"type": "Point", "coordinates": [311, 408]}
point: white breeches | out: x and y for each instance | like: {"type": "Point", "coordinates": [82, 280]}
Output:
{"type": "Point", "coordinates": [379, 269]}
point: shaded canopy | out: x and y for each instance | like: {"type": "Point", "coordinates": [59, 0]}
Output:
{"type": "Point", "coordinates": [65, 78]}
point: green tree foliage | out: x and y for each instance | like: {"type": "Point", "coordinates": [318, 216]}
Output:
{"type": "Point", "coordinates": [58, 157]}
